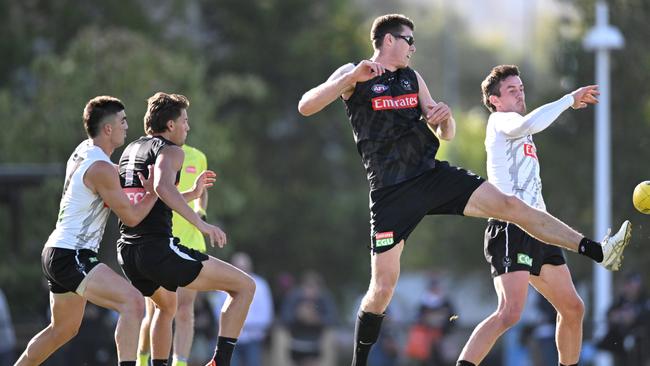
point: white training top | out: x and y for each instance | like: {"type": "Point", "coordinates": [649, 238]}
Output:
{"type": "Point", "coordinates": [512, 163]}
{"type": "Point", "coordinates": [82, 213]}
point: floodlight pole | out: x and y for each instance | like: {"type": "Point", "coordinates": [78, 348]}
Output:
{"type": "Point", "coordinates": [602, 38]}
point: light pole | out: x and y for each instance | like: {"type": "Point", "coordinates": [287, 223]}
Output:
{"type": "Point", "coordinates": [602, 38]}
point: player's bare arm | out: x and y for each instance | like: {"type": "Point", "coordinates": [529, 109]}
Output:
{"type": "Point", "coordinates": [340, 84]}
{"type": "Point", "coordinates": [585, 96]}
{"type": "Point", "coordinates": [204, 180]}
{"type": "Point", "coordinates": [168, 163]}
{"type": "Point", "coordinates": [102, 178]}
{"type": "Point", "coordinates": [437, 115]}
{"type": "Point", "coordinates": [203, 204]}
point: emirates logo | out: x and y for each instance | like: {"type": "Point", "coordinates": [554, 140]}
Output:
{"type": "Point", "coordinates": [399, 102]}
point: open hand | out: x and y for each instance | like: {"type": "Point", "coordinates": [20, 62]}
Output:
{"type": "Point", "coordinates": [214, 233]}
{"type": "Point", "coordinates": [205, 180]}
{"type": "Point", "coordinates": [585, 96]}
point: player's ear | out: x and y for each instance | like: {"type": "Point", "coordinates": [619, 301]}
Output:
{"type": "Point", "coordinates": [388, 38]}
{"type": "Point", "coordinates": [494, 100]}
{"type": "Point", "coordinates": [170, 125]}
{"type": "Point", "coordinates": [108, 128]}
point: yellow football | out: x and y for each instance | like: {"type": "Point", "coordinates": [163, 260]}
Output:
{"type": "Point", "coordinates": [641, 197]}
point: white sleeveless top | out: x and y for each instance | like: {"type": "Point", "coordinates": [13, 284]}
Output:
{"type": "Point", "coordinates": [512, 164]}
{"type": "Point", "coordinates": [82, 213]}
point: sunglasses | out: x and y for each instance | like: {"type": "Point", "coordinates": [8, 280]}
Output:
{"type": "Point", "coordinates": [409, 39]}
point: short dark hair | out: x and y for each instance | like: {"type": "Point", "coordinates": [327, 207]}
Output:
{"type": "Point", "coordinates": [389, 23]}
{"type": "Point", "coordinates": [163, 107]}
{"type": "Point", "coordinates": [96, 111]}
{"type": "Point", "coordinates": [492, 83]}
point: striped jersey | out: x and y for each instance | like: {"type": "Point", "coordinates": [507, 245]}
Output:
{"type": "Point", "coordinates": [512, 163]}
{"type": "Point", "coordinates": [82, 213]}
{"type": "Point", "coordinates": [136, 157]}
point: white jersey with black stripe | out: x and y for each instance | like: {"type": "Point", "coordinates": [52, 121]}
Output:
{"type": "Point", "coordinates": [512, 164]}
{"type": "Point", "coordinates": [82, 213]}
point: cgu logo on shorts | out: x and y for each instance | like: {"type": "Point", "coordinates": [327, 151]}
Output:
{"type": "Point", "coordinates": [524, 259]}
{"type": "Point", "coordinates": [383, 239]}
{"type": "Point", "coordinates": [135, 194]}
{"type": "Point", "coordinates": [530, 150]}
{"type": "Point", "coordinates": [399, 102]}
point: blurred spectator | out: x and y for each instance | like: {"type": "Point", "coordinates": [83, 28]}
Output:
{"type": "Point", "coordinates": [7, 335]}
{"type": "Point", "coordinates": [308, 313]}
{"type": "Point", "coordinates": [250, 344]}
{"type": "Point", "coordinates": [284, 283]}
{"type": "Point", "coordinates": [424, 345]}
{"type": "Point", "coordinates": [628, 323]}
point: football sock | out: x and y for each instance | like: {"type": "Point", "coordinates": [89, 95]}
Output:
{"type": "Point", "coordinates": [127, 363]}
{"type": "Point", "coordinates": [591, 249]}
{"type": "Point", "coordinates": [223, 353]}
{"type": "Point", "coordinates": [575, 364]}
{"type": "Point", "coordinates": [143, 359]}
{"type": "Point", "coordinates": [366, 332]}
{"type": "Point", "coordinates": [464, 363]}
{"type": "Point", "coordinates": [159, 362]}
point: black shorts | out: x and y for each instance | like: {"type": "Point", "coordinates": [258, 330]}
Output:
{"type": "Point", "coordinates": [508, 249]}
{"type": "Point", "coordinates": [163, 263]}
{"type": "Point", "coordinates": [396, 210]}
{"type": "Point", "coordinates": [66, 268]}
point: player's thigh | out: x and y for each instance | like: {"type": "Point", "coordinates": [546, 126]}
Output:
{"type": "Point", "coordinates": [106, 288]}
{"type": "Point", "coordinates": [67, 310]}
{"type": "Point", "coordinates": [512, 290]}
{"type": "Point", "coordinates": [219, 275]}
{"type": "Point", "coordinates": [385, 266]}
{"type": "Point", "coordinates": [488, 201]}
{"type": "Point", "coordinates": [556, 285]}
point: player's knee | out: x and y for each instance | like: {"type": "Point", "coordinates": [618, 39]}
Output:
{"type": "Point", "coordinates": [247, 288]}
{"type": "Point", "coordinates": [510, 316]}
{"type": "Point", "coordinates": [573, 309]}
{"type": "Point", "coordinates": [386, 279]}
{"type": "Point", "coordinates": [185, 312]}
{"type": "Point", "coordinates": [65, 332]}
{"type": "Point", "coordinates": [166, 307]}
{"type": "Point", "coordinates": [383, 289]}
{"type": "Point", "coordinates": [134, 307]}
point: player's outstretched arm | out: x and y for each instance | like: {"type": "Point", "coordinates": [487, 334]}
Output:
{"type": "Point", "coordinates": [340, 83]}
{"type": "Point", "coordinates": [168, 163]}
{"type": "Point", "coordinates": [437, 115]}
{"type": "Point", "coordinates": [102, 177]}
{"type": "Point", "coordinates": [516, 125]}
